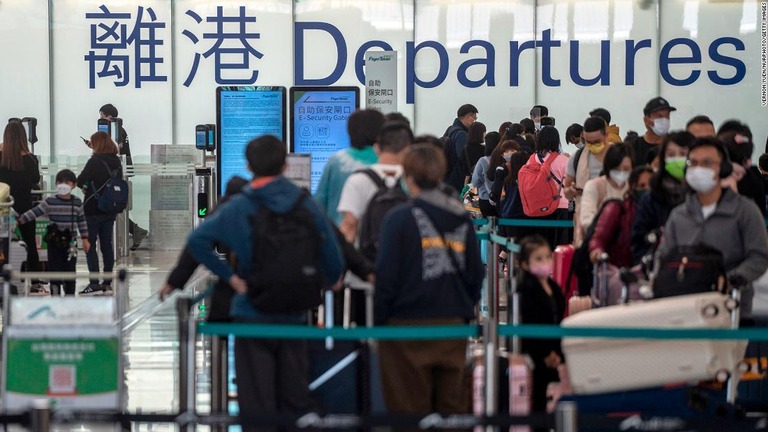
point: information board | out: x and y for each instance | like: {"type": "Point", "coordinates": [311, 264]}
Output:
{"type": "Point", "coordinates": [319, 122]}
{"type": "Point", "coordinates": [242, 114]}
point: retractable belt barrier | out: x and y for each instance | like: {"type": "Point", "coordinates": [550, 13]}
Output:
{"type": "Point", "coordinates": [280, 331]}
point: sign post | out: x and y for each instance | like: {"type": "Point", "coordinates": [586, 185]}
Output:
{"type": "Point", "coordinates": [381, 81]}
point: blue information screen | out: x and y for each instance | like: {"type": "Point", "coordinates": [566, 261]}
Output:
{"type": "Point", "coordinates": [319, 123]}
{"type": "Point", "coordinates": [242, 114]}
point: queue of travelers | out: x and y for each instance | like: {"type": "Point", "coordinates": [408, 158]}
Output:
{"type": "Point", "coordinates": [395, 200]}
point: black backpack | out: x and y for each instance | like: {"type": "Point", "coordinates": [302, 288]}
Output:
{"type": "Point", "coordinates": [582, 266]}
{"type": "Point", "coordinates": [112, 196]}
{"type": "Point", "coordinates": [286, 276]}
{"type": "Point", "coordinates": [385, 199]}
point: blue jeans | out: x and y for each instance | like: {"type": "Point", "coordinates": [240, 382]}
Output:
{"type": "Point", "coordinates": [100, 227]}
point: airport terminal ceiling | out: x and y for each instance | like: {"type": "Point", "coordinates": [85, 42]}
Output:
{"type": "Point", "coordinates": [160, 61]}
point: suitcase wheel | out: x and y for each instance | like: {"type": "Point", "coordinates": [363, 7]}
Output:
{"type": "Point", "coordinates": [742, 367]}
{"type": "Point", "coordinates": [710, 311]}
{"type": "Point", "coordinates": [722, 375]}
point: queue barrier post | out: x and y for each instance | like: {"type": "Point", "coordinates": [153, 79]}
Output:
{"type": "Point", "coordinates": [40, 416]}
{"type": "Point", "coordinates": [490, 329]}
{"type": "Point", "coordinates": [186, 358]}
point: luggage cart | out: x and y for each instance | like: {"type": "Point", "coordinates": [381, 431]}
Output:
{"type": "Point", "coordinates": [51, 344]}
{"type": "Point", "coordinates": [6, 230]}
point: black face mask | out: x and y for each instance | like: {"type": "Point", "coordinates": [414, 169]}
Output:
{"type": "Point", "coordinates": [638, 194]}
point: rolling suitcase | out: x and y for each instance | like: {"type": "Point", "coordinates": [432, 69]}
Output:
{"type": "Point", "coordinates": [597, 365]}
{"type": "Point", "coordinates": [561, 269]}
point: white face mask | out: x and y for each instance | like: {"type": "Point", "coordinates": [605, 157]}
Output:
{"type": "Point", "coordinates": [619, 177]}
{"type": "Point", "coordinates": [579, 145]}
{"type": "Point", "coordinates": [701, 179]}
{"type": "Point", "coordinates": [661, 126]}
{"type": "Point", "coordinates": [63, 189]}
{"type": "Point", "coordinates": [537, 125]}
{"type": "Point", "coordinates": [507, 156]}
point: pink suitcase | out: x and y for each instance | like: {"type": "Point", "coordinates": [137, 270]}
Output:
{"type": "Point", "coordinates": [609, 365]}
{"type": "Point", "coordinates": [561, 267]}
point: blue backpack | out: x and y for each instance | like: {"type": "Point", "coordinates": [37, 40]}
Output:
{"type": "Point", "coordinates": [112, 196]}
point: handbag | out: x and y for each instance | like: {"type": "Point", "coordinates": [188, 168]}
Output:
{"type": "Point", "coordinates": [689, 269]}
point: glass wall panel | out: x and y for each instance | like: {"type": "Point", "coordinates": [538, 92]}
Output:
{"type": "Point", "coordinates": [472, 52]}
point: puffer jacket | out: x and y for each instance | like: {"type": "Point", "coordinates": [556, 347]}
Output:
{"type": "Point", "coordinates": [613, 232]}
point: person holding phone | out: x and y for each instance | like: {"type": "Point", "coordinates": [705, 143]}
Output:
{"type": "Point", "coordinates": [109, 112]}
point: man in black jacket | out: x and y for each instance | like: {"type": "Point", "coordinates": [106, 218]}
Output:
{"type": "Point", "coordinates": [109, 112]}
{"type": "Point", "coordinates": [454, 145]}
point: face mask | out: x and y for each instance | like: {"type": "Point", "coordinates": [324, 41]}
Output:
{"type": "Point", "coordinates": [661, 126]}
{"type": "Point", "coordinates": [541, 270]}
{"type": "Point", "coordinates": [618, 176]}
{"type": "Point", "coordinates": [63, 189]}
{"type": "Point", "coordinates": [596, 148]}
{"type": "Point", "coordinates": [701, 179]}
{"type": "Point", "coordinates": [404, 187]}
{"type": "Point", "coordinates": [675, 166]}
{"type": "Point", "coordinates": [507, 157]}
{"type": "Point", "coordinates": [638, 194]}
{"type": "Point", "coordinates": [537, 125]}
{"type": "Point", "coordinates": [579, 145]}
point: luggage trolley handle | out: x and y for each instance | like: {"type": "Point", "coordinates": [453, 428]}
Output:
{"type": "Point", "coordinates": [737, 282]}
{"type": "Point", "coordinates": [600, 281]}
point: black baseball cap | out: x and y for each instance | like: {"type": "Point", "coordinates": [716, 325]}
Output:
{"type": "Point", "coordinates": [656, 104]}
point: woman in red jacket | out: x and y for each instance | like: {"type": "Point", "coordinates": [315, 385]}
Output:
{"type": "Point", "coordinates": [613, 230]}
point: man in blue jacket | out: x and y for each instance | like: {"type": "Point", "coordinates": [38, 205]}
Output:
{"type": "Point", "coordinates": [272, 375]}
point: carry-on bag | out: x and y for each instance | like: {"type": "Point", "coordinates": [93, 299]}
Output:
{"type": "Point", "coordinates": [597, 365]}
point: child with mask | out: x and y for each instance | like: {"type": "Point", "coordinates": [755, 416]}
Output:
{"type": "Point", "coordinates": [541, 302]}
{"type": "Point", "coordinates": [65, 213]}
{"type": "Point", "coordinates": [667, 192]}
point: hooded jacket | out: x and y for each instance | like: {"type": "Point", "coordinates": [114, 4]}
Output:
{"type": "Point", "coordinates": [736, 229]}
{"type": "Point", "coordinates": [613, 134]}
{"type": "Point", "coordinates": [415, 276]}
{"type": "Point", "coordinates": [230, 227]}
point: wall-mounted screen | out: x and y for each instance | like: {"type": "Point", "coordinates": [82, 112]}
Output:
{"type": "Point", "coordinates": [319, 122]}
{"type": "Point", "coordinates": [242, 114]}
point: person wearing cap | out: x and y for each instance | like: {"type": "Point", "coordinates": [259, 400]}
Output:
{"type": "Point", "coordinates": [656, 119]}
{"type": "Point", "coordinates": [110, 112]}
{"type": "Point", "coordinates": [456, 135]}
{"type": "Point", "coordinates": [612, 131]}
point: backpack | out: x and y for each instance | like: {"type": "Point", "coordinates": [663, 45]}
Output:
{"type": "Point", "coordinates": [112, 196]}
{"type": "Point", "coordinates": [451, 158]}
{"type": "Point", "coordinates": [539, 187]}
{"type": "Point", "coordinates": [286, 277]}
{"type": "Point", "coordinates": [581, 266]}
{"type": "Point", "coordinates": [576, 158]}
{"type": "Point", "coordinates": [385, 199]}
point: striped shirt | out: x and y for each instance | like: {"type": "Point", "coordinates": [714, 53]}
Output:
{"type": "Point", "coordinates": [66, 214]}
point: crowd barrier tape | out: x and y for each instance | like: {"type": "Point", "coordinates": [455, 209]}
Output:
{"type": "Point", "coordinates": [281, 331]}
{"type": "Point", "coordinates": [535, 223]}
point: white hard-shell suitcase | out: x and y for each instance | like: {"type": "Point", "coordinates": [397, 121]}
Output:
{"type": "Point", "coordinates": [597, 365]}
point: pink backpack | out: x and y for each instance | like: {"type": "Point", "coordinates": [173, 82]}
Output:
{"type": "Point", "coordinates": [539, 187]}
